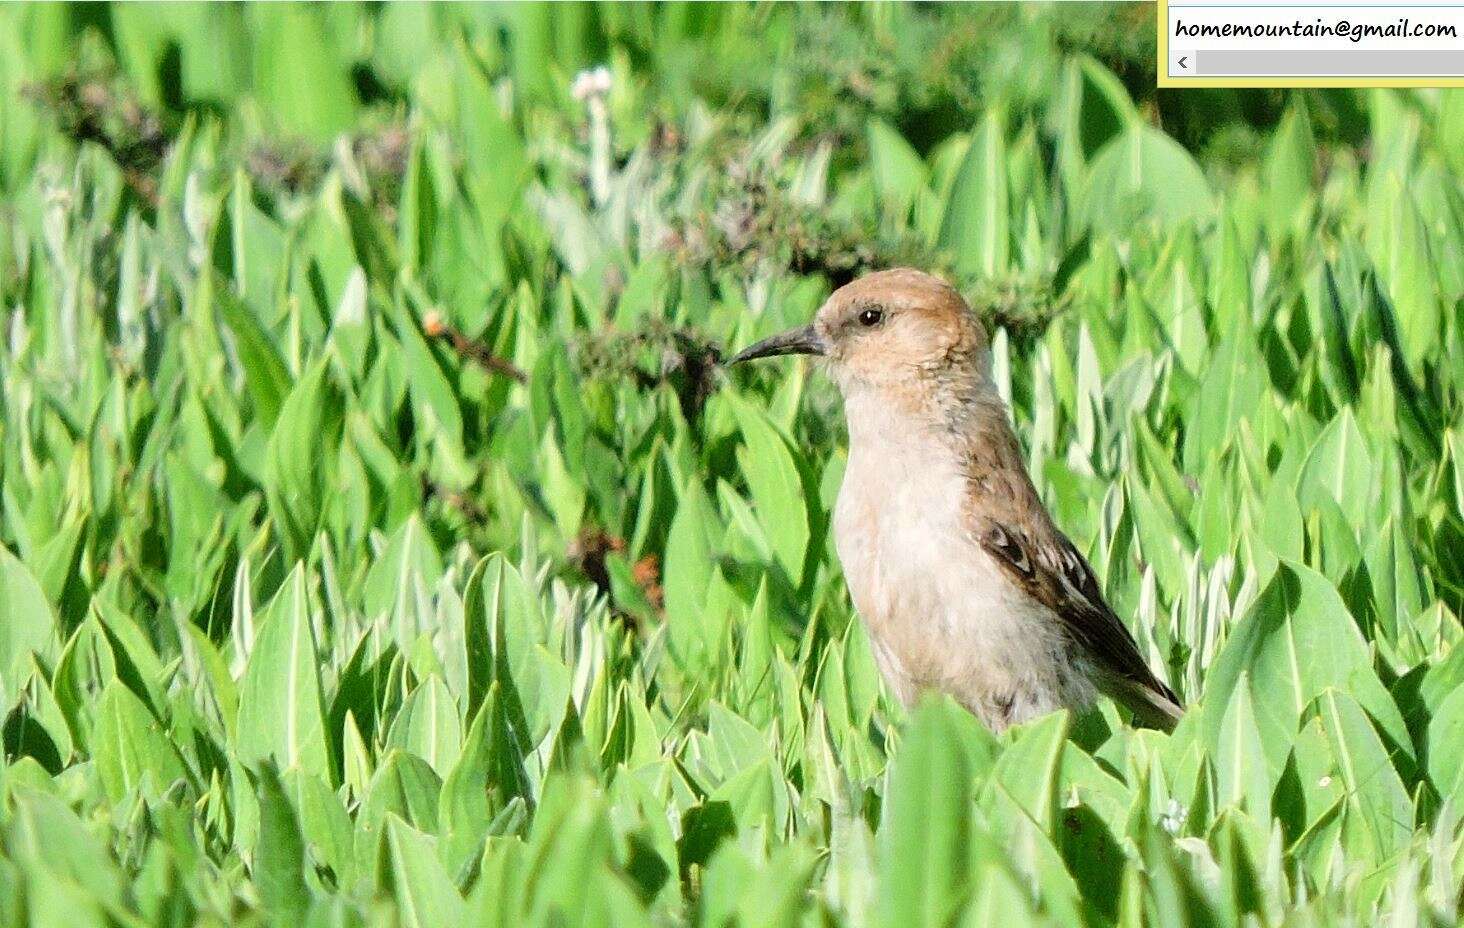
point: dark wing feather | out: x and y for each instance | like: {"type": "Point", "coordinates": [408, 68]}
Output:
{"type": "Point", "coordinates": [1055, 574]}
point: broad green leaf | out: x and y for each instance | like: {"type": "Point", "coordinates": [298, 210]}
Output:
{"type": "Point", "coordinates": [130, 747]}
{"type": "Point", "coordinates": [29, 626]}
{"type": "Point", "coordinates": [410, 560]}
{"type": "Point", "coordinates": [1287, 170]}
{"type": "Point", "coordinates": [300, 457]}
{"type": "Point", "coordinates": [428, 726]}
{"type": "Point", "coordinates": [1244, 773]}
{"type": "Point", "coordinates": [534, 682]}
{"type": "Point", "coordinates": [976, 229]}
{"type": "Point", "coordinates": [410, 871]}
{"type": "Point", "coordinates": [1231, 389]}
{"type": "Point", "coordinates": [1027, 770]}
{"type": "Point", "coordinates": [299, 75]}
{"type": "Point", "coordinates": [82, 674]}
{"type": "Point", "coordinates": [1295, 642]}
{"type": "Point", "coordinates": [778, 490]}
{"type": "Point", "coordinates": [281, 716]}
{"type": "Point", "coordinates": [42, 831]}
{"type": "Point", "coordinates": [279, 856]}
{"type": "Point", "coordinates": [899, 174]}
{"type": "Point", "coordinates": [403, 787]}
{"type": "Point", "coordinates": [690, 564]}
{"type": "Point", "coordinates": [265, 375]}
{"type": "Point", "coordinates": [1340, 469]}
{"type": "Point", "coordinates": [1376, 800]}
{"type": "Point", "coordinates": [925, 833]}
{"type": "Point", "coordinates": [1144, 174]}
{"type": "Point", "coordinates": [1446, 746]}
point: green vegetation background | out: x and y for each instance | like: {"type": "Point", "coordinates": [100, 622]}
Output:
{"type": "Point", "coordinates": [379, 543]}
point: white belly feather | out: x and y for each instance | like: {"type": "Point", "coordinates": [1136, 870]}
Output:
{"type": "Point", "coordinates": [941, 614]}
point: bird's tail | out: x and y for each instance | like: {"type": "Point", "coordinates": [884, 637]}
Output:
{"type": "Point", "coordinates": [1153, 706]}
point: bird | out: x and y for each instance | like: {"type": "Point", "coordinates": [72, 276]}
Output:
{"type": "Point", "coordinates": [965, 584]}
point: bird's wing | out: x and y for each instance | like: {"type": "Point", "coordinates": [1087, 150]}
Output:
{"type": "Point", "coordinates": [1046, 565]}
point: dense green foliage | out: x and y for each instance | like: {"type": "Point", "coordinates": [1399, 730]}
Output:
{"type": "Point", "coordinates": [312, 612]}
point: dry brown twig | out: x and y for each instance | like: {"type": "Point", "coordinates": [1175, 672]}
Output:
{"type": "Point", "coordinates": [436, 327]}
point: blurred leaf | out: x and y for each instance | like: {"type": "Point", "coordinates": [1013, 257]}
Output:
{"type": "Point", "coordinates": [300, 459]}
{"type": "Point", "coordinates": [976, 229]}
{"type": "Point", "coordinates": [1287, 171]}
{"type": "Point", "coordinates": [298, 76]}
{"type": "Point", "coordinates": [279, 856]}
{"type": "Point", "coordinates": [131, 747]}
{"type": "Point", "coordinates": [924, 837]}
{"type": "Point", "coordinates": [1446, 745]}
{"type": "Point", "coordinates": [778, 491]}
{"type": "Point", "coordinates": [1231, 389]}
{"type": "Point", "coordinates": [30, 625]}
{"type": "Point", "coordinates": [410, 870]}
{"type": "Point", "coordinates": [1144, 174]}
{"type": "Point", "coordinates": [899, 174]}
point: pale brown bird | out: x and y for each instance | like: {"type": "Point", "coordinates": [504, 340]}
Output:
{"type": "Point", "coordinates": [964, 582]}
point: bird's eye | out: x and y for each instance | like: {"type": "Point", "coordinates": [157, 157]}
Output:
{"type": "Point", "coordinates": [869, 318]}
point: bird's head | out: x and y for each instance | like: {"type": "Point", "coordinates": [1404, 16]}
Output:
{"type": "Point", "coordinates": [890, 329]}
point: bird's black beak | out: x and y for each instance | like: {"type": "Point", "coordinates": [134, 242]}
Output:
{"type": "Point", "coordinates": [802, 340]}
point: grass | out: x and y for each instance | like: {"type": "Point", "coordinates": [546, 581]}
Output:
{"type": "Point", "coordinates": [380, 543]}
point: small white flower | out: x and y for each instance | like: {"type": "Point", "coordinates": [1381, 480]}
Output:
{"type": "Point", "coordinates": [591, 82]}
{"type": "Point", "coordinates": [1173, 818]}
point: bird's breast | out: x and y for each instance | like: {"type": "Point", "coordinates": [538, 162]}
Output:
{"type": "Point", "coordinates": [899, 527]}
{"type": "Point", "coordinates": [940, 613]}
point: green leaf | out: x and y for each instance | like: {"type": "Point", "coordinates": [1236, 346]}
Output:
{"type": "Point", "coordinates": [1446, 746]}
{"type": "Point", "coordinates": [1409, 275]}
{"type": "Point", "coordinates": [279, 854]}
{"type": "Point", "coordinates": [299, 76]}
{"type": "Point", "coordinates": [300, 458]}
{"type": "Point", "coordinates": [534, 682]}
{"type": "Point", "coordinates": [924, 837]}
{"type": "Point", "coordinates": [899, 174]}
{"type": "Point", "coordinates": [265, 375]}
{"type": "Point", "coordinates": [436, 402]}
{"type": "Point", "coordinates": [1296, 641]}
{"type": "Point", "coordinates": [1244, 773]}
{"type": "Point", "coordinates": [976, 229]}
{"type": "Point", "coordinates": [410, 560]}
{"type": "Point", "coordinates": [82, 674]}
{"type": "Point", "coordinates": [428, 726]}
{"type": "Point", "coordinates": [1144, 174]}
{"type": "Point", "coordinates": [778, 491]}
{"type": "Point", "coordinates": [130, 747]}
{"type": "Point", "coordinates": [690, 563]}
{"type": "Point", "coordinates": [281, 716]}
{"type": "Point", "coordinates": [1340, 469]}
{"type": "Point", "coordinates": [1231, 389]}
{"type": "Point", "coordinates": [1376, 801]}
{"type": "Point", "coordinates": [42, 831]}
{"type": "Point", "coordinates": [1287, 173]}
{"type": "Point", "coordinates": [425, 896]}
{"type": "Point", "coordinates": [1027, 770]}
{"type": "Point", "coordinates": [1105, 108]}
{"type": "Point", "coordinates": [29, 625]}
{"type": "Point", "coordinates": [404, 787]}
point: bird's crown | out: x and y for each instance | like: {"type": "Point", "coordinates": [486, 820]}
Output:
{"type": "Point", "coordinates": [894, 323]}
